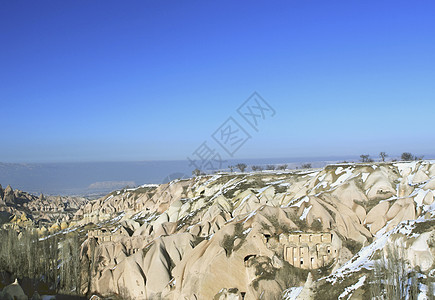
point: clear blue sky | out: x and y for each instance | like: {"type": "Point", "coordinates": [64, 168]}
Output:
{"type": "Point", "coordinates": [144, 80]}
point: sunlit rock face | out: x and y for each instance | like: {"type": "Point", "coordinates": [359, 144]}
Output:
{"type": "Point", "coordinates": [244, 235]}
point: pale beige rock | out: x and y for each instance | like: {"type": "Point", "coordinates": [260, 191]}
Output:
{"type": "Point", "coordinates": [203, 212]}
{"type": "Point", "coordinates": [348, 193]}
{"type": "Point", "coordinates": [405, 189]}
{"type": "Point", "coordinates": [318, 211]}
{"type": "Point", "coordinates": [349, 225]}
{"type": "Point", "coordinates": [379, 184]}
{"type": "Point", "coordinates": [429, 198]}
{"type": "Point", "coordinates": [394, 209]}
{"type": "Point", "coordinates": [307, 290]}
{"type": "Point", "coordinates": [431, 170]}
{"type": "Point", "coordinates": [419, 177]}
{"type": "Point", "coordinates": [360, 212]}
{"type": "Point", "coordinates": [406, 212]}
{"type": "Point", "coordinates": [430, 185]}
{"type": "Point", "coordinates": [379, 211]}
{"type": "Point", "coordinates": [420, 254]}
{"type": "Point", "coordinates": [377, 224]}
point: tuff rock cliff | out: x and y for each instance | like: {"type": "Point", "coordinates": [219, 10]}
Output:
{"type": "Point", "coordinates": [262, 235]}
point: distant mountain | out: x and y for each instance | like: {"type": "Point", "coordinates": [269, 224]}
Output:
{"type": "Point", "coordinates": [90, 178]}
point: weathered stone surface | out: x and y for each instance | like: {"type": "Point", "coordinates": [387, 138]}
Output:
{"type": "Point", "coordinates": [230, 236]}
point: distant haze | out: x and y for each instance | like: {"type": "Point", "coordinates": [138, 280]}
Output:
{"type": "Point", "coordinates": [92, 178]}
{"type": "Point", "coordinates": [102, 177]}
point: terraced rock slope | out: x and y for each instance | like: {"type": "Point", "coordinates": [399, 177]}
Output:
{"type": "Point", "coordinates": [301, 234]}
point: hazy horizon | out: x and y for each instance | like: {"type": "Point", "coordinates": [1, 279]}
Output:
{"type": "Point", "coordinates": [128, 85]}
{"type": "Point", "coordinates": [98, 178]}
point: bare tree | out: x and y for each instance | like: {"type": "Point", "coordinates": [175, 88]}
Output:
{"type": "Point", "coordinates": [196, 172]}
{"type": "Point", "coordinates": [282, 167]}
{"type": "Point", "coordinates": [270, 167]}
{"type": "Point", "coordinates": [231, 168]}
{"type": "Point", "coordinates": [383, 155]}
{"type": "Point", "coordinates": [406, 156]}
{"type": "Point", "coordinates": [241, 167]}
{"type": "Point", "coordinates": [306, 166]}
{"type": "Point", "coordinates": [391, 278]}
{"type": "Point", "coordinates": [54, 260]}
{"type": "Point", "coordinates": [365, 157]}
{"type": "Point", "coordinates": [256, 168]}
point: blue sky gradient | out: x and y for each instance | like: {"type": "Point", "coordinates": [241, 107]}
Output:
{"type": "Point", "coordinates": [151, 80]}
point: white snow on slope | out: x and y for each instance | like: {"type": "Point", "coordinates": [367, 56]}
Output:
{"type": "Point", "coordinates": [244, 199]}
{"type": "Point", "coordinates": [214, 178]}
{"type": "Point", "coordinates": [343, 177]}
{"type": "Point", "coordinates": [402, 166]}
{"type": "Point", "coordinates": [352, 288]}
{"type": "Point", "coordinates": [322, 184]}
{"type": "Point", "coordinates": [305, 212]}
{"type": "Point", "coordinates": [339, 170]}
{"type": "Point", "coordinates": [321, 178]}
{"type": "Point", "coordinates": [108, 198]}
{"type": "Point", "coordinates": [276, 182]}
{"type": "Point", "coordinates": [363, 258]}
{"type": "Point", "coordinates": [364, 176]}
{"type": "Point", "coordinates": [142, 186]}
{"type": "Point", "coordinates": [298, 204]}
{"type": "Point", "coordinates": [292, 293]}
{"type": "Point", "coordinates": [420, 196]}
{"type": "Point", "coordinates": [262, 189]}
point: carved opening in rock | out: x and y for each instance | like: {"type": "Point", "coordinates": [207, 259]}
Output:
{"type": "Point", "coordinates": [248, 257]}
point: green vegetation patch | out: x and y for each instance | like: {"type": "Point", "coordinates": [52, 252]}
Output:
{"type": "Point", "coordinates": [368, 205]}
{"type": "Point", "coordinates": [280, 189]}
{"type": "Point", "coordinates": [327, 290]}
{"type": "Point", "coordinates": [287, 275]}
{"type": "Point", "coordinates": [352, 245]}
{"type": "Point", "coordinates": [421, 227]}
{"type": "Point", "coordinates": [192, 217]}
{"type": "Point", "coordinates": [224, 179]}
{"type": "Point", "coordinates": [228, 240]}
{"type": "Point", "coordinates": [316, 226]}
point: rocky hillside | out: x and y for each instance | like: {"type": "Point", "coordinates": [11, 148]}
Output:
{"type": "Point", "coordinates": [24, 209]}
{"type": "Point", "coordinates": [266, 235]}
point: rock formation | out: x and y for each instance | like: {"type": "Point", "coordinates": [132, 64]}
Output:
{"type": "Point", "coordinates": [41, 210]}
{"type": "Point", "coordinates": [253, 235]}
{"type": "Point", "coordinates": [228, 236]}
